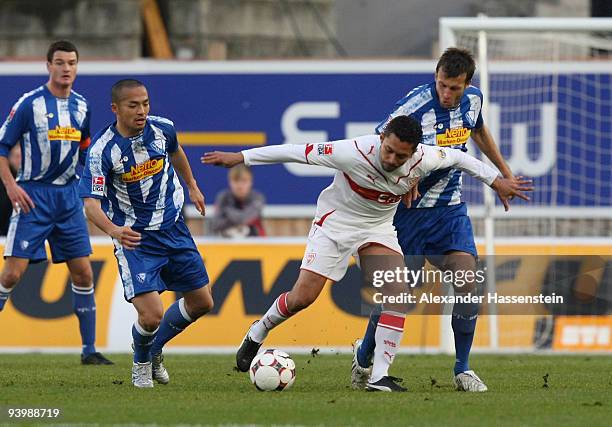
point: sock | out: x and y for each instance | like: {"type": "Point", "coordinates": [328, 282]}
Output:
{"type": "Point", "coordinates": [4, 295]}
{"type": "Point", "coordinates": [84, 306]}
{"type": "Point", "coordinates": [464, 324]}
{"type": "Point", "coordinates": [388, 338]}
{"type": "Point", "coordinates": [175, 320]}
{"type": "Point", "coordinates": [366, 350]}
{"type": "Point", "coordinates": [276, 314]}
{"type": "Point", "coordinates": [143, 340]}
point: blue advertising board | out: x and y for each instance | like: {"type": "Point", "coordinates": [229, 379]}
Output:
{"type": "Point", "coordinates": [559, 137]}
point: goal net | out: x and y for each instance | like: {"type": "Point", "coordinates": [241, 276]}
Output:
{"type": "Point", "coordinates": [547, 86]}
{"type": "Point", "coordinates": [549, 105]}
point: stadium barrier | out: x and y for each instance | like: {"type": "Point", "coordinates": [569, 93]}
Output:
{"type": "Point", "coordinates": [247, 276]}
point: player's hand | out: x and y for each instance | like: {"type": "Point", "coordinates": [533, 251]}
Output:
{"type": "Point", "coordinates": [197, 198]}
{"type": "Point", "coordinates": [507, 189]}
{"type": "Point", "coordinates": [509, 176]}
{"type": "Point", "coordinates": [19, 198]}
{"type": "Point", "coordinates": [128, 238]}
{"type": "Point", "coordinates": [221, 158]}
{"type": "Point", "coordinates": [411, 195]}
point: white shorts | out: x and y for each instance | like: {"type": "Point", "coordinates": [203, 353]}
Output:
{"type": "Point", "coordinates": [330, 258]}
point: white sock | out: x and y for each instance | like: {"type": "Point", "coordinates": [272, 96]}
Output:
{"type": "Point", "coordinates": [276, 314]}
{"type": "Point", "coordinates": [4, 290]}
{"type": "Point", "coordinates": [81, 290]}
{"type": "Point", "coordinates": [388, 337]}
{"type": "Point", "coordinates": [4, 296]}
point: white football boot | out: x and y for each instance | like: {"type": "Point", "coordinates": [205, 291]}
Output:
{"type": "Point", "coordinates": [469, 381]}
{"type": "Point", "coordinates": [359, 375]}
{"type": "Point", "coordinates": [142, 375]}
{"type": "Point", "coordinates": [160, 374]}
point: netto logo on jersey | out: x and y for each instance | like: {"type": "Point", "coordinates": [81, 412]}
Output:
{"type": "Point", "coordinates": [453, 137]}
{"type": "Point", "coordinates": [143, 170]}
{"type": "Point", "coordinates": [64, 134]}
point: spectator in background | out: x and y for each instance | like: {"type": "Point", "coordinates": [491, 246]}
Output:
{"type": "Point", "coordinates": [238, 210]}
{"type": "Point", "coordinates": [6, 206]}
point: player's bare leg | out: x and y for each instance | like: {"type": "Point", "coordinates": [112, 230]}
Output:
{"type": "Point", "coordinates": [363, 354]}
{"type": "Point", "coordinates": [464, 323]}
{"type": "Point", "coordinates": [177, 318]}
{"type": "Point", "coordinates": [390, 328]}
{"type": "Point", "coordinates": [305, 291]}
{"type": "Point", "coordinates": [150, 312]}
{"type": "Point", "coordinates": [12, 271]}
{"type": "Point", "coordinates": [84, 306]}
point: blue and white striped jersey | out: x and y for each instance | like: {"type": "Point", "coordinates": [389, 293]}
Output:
{"type": "Point", "coordinates": [441, 127]}
{"type": "Point", "coordinates": [50, 131]}
{"type": "Point", "coordinates": [133, 177]}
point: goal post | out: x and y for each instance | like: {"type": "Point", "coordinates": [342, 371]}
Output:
{"type": "Point", "coordinates": [547, 100]}
{"type": "Point", "coordinates": [450, 27]}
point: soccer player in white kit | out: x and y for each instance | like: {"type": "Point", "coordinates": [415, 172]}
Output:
{"type": "Point", "coordinates": [355, 217]}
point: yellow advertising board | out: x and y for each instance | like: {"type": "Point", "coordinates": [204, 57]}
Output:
{"type": "Point", "coordinates": [246, 278]}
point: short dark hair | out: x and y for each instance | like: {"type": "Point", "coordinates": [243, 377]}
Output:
{"type": "Point", "coordinates": [123, 84]}
{"type": "Point", "coordinates": [62, 46]}
{"type": "Point", "coordinates": [406, 128]}
{"type": "Point", "coordinates": [456, 61]}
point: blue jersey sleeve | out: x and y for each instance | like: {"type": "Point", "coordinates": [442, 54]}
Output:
{"type": "Point", "coordinates": [404, 106]}
{"type": "Point", "coordinates": [172, 139]}
{"type": "Point", "coordinates": [479, 120]}
{"type": "Point", "coordinates": [13, 128]}
{"type": "Point", "coordinates": [167, 127]}
{"type": "Point", "coordinates": [85, 137]}
{"type": "Point", "coordinates": [96, 173]}
{"type": "Point", "coordinates": [381, 126]}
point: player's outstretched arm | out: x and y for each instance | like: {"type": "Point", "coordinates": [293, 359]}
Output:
{"type": "Point", "coordinates": [128, 238]}
{"type": "Point", "coordinates": [485, 142]}
{"type": "Point", "coordinates": [181, 165]}
{"type": "Point", "coordinates": [222, 158]}
{"type": "Point", "coordinates": [333, 154]}
{"type": "Point", "coordinates": [281, 153]}
{"type": "Point", "coordinates": [506, 188]}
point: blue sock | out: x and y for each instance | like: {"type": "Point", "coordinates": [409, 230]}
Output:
{"type": "Point", "coordinates": [175, 320]}
{"type": "Point", "coordinates": [84, 306]}
{"type": "Point", "coordinates": [4, 296]}
{"type": "Point", "coordinates": [366, 350]}
{"type": "Point", "coordinates": [143, 340]}
{"type": "Point", "coordinates": [464, 324]}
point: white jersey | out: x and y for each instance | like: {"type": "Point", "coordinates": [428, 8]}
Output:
{"type": "Point", "coordinates": [363, 195]}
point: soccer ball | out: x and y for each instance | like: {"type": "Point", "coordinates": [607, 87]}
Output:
{"type": "Point", "coordinates": [272, 370]}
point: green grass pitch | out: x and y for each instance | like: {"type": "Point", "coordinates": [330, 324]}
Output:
{"type": "Point", "coordinates": [205, 390]}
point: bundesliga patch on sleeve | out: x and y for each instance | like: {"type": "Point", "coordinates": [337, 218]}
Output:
{"type": "Point", "coordinates": [325, 149]}
{"type": "Point", "coordinates": [97, 185]}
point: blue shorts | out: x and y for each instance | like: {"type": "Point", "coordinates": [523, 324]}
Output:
{"type": "Point", "coordinates": [165, 260]}
{"type": "Point", "coordinates": [57, 217]}
{"type": "Point", "coordinates": [434, 231]}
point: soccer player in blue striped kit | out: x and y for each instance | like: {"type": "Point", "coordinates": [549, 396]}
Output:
{"type": "Point", "coordinates": [435, 225]}
{"type": "Point", "coordinates": [132, 192]}
{"type": "Point", "coordinates": [51, 124]}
